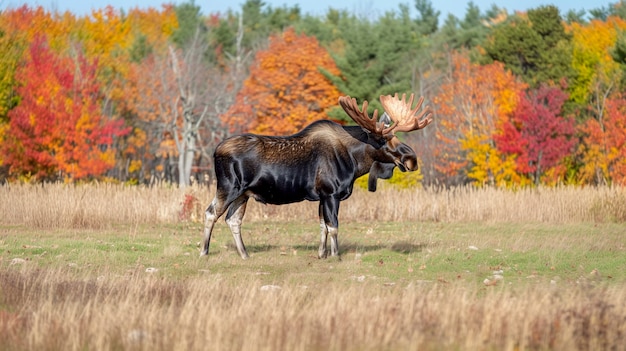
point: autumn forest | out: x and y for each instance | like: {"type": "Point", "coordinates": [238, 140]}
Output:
{"type": "Point", "coordinates": [144, 96]}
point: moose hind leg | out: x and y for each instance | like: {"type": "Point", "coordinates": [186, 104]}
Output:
{"type": "Point", "coordinates": [234, 218]}
{"type": "Point", "coordinates": [329, 224]}
{"type": "Point", "coordinates": [212, 214]}
{"type": "Point", "coordinates": [325, 230]}
{"type": "Point", "coordinates": [321, 253]}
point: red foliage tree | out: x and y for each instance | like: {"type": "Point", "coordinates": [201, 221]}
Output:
{"type": "Point", "coordinates": [537, 133]}
{"type": "Point", "coordinates": [57, 128]}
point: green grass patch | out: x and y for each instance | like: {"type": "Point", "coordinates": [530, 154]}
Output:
{"type": "Point", "coordinates": [392, 253]}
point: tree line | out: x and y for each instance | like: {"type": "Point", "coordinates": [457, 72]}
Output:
{"type": "Point", "coordinates": [145, 95]}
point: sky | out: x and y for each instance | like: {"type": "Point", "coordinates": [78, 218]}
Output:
{"type": "Point", "coordinates": [369, 8]}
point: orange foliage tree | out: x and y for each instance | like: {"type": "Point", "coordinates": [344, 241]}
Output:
{"type": "Point", "coordinates": [604, 145]}
{"type": "Point", "coordinates": [57, 128]}
{"type": "Point", "coordinates": [26, 23]}
{"type": "Point", "coordinates": [153, 99]}
{"type": "Point", "coordinates": [285, 89]}
{"type": "Point", "coordinates": [471, 106]}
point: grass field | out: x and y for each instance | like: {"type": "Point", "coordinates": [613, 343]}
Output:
{"type": "Point", "coordinates": [109, 267]}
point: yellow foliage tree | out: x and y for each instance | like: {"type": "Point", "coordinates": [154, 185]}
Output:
{"type": "Point", "coordinates": [489, 165]}
{"type": "Point", "coordinates": [597, 72]}
{"type": "Point", "coordinates": [108, 35]}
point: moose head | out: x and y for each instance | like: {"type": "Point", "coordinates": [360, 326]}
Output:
{"type": "Point", "coordinates": [398, 117]}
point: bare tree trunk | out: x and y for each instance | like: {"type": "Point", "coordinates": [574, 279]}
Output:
{"type": "Point", "coordinates": [186, 95]}
{"type": "Point", "coordinates": [190, 89]}
{"type": "Point", "coordinates": [188, 152]}
{"type": "Point", "coordinates": [538, 170]}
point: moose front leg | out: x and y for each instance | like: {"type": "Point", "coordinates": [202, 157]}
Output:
{"type": "Point", "coordinates": [329, 224]}
{"type": "Point", "coordinates": [334, 245]}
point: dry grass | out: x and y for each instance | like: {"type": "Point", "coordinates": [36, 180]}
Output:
{"type": "Point", "coordinates": [101, 206]}
{"type": "Point", "coordinates": [76, 263]}
{"type": "Point", "coordinates": [87, 206]}
{"type": "Point", "coordinates": [52, 310]}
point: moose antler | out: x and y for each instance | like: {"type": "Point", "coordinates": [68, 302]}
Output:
{"type": "Point", "coordinates": [403, 117]}
{"type": "Point", "coordinates": [360, 116]}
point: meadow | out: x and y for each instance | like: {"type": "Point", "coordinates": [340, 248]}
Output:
{"type": "Point", "coordinates": [113, 267]}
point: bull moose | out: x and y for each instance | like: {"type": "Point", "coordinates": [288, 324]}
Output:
{"type": "Point", "coordinates": [319, 163]}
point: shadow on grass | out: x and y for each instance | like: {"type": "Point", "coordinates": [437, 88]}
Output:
{"type": "Point", "coordinates": [403, 247]}
{"type": "Point", "coordinates": [253, 248]}
{"type": "Point", "coordinates": [406, 247]}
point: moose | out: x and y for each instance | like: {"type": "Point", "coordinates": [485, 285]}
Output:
{"type": "Point", "coordinates": [319, 163]}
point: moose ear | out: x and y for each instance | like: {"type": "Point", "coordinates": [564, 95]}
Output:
{"type": "Point", "coordinates": [379, 170]}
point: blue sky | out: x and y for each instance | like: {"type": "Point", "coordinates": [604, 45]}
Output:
{"type": "Point", "coordinates": [315, 7]}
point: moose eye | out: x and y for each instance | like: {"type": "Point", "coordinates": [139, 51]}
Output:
{"type": "Point", "coordinates": [378, 142]}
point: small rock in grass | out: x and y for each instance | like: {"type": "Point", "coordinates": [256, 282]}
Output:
{"type": "Point", "coordinates": [17, 260]}
{"type": "Point", "coordinates": [270, 287]}
{"type": "Point", "coordinates": [137, 336]}
{"type": "Point", "coordinates": [489, 282]}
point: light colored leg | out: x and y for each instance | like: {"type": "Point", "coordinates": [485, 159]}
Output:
{"type": "Point", "coordinates": [329, 224]}
{"type": "Point", "coordinates": [234, 218]}
{"type": "Point", "coordinates": [212, 213]}
{"type": "Point", "coordinates": [334, 245]}
{"type": "Point", "coordinates": [323, 235]}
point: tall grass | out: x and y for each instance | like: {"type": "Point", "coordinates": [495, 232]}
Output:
{"type": "Point", "coordinates": [105, 205]}
{"type": "Point", "coordinates": [87, 206]}
{"type": "Point", "coordinates": [51, 310]}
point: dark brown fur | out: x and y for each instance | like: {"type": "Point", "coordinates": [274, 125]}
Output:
{"type": "Point", "coordinates": [319, 163]}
